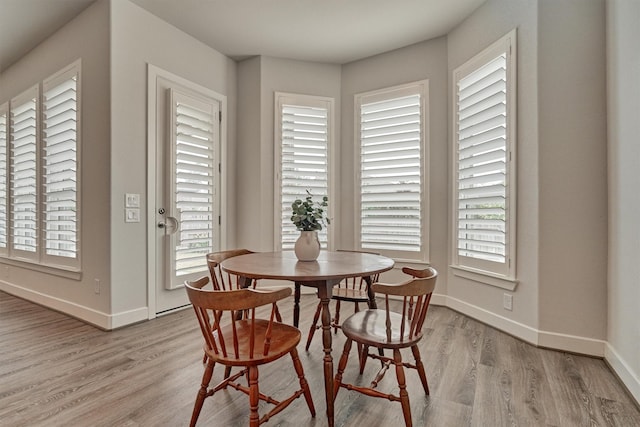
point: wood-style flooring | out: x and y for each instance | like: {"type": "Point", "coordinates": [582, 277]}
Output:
{"type": "Point", "coordinates": [58, 371]}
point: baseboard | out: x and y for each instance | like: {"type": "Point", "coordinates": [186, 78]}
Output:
{"type": "Point", "coordinates": [623, 371]}
{"type": "Point", "coordinates": [125, 318]}
{"type": "Point", "coordinates": [571, 343]}
{"type": "Point", "coordinates": [519, 330]}
{"type": "Point", "coordinates": [89, 315]}
{"type": "Point", "coordinates": [555, 341]}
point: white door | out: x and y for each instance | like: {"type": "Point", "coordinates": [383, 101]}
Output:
{"type": "Point", "coordinates": [187, 183]}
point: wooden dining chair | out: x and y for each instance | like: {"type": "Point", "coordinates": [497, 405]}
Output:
{"type": "Point", "coordinates": [351, 289]}
{"type": "Point", "coordinates": [245, 342]}
{"type": "Point", "coordinates": [385, 329]}
{"type": "Point", "coordinates": [222, 280]}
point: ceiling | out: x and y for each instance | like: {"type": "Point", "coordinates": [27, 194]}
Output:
{"type": "Point", "coordinates": [329, 31]}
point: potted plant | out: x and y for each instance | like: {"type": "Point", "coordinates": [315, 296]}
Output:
{"type": "Point", "coordinates": [308, 216]}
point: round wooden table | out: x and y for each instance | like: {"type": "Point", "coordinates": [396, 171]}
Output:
{"type": "Point", "coordinates": [328, 270]}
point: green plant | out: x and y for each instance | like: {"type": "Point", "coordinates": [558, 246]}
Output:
{"type": "Point", "coordinates": [309, 215]}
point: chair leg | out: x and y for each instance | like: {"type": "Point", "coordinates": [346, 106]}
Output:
{"type": "Point", "coordinates": [296, 304]}
{"type": "Point", "coordinates": [314, 326]}
{"type": "Point", "coordinates": [336, 319]}
{"type": "Point", "coordinates": [362, 357]}
{"type": "Point", "coordinates": [420, 368]}
{"type": "Point", "coordinates": [303, 381]}
{"type": "Point", "coordinates": [341, 366]}
{"type": "Point", "coordinates": [202, 393]}
{"type": "Point", "coordinates": [254, 397]}
{"type": "Point", "coordinates": [404, 396]}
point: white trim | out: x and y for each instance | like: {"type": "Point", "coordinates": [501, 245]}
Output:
{"type": "Point", "coordinates": [73, 69]}
{"type": "Point", "coordinates": [571, 343]}
{"type": "Point", "coordinates": [420, 87]}
{"type": "Point", "coordinates": [484, 277]}
{"type": "Point", "coordinates": [125, 318]}
{"type": "Point", "coordinates": [536, 337]}
{"type": "Point", "coordinates": [89, 315]}
{"type": "Point", "coordinates": [153, 74]}
{"type": "Point", "coordinates": [507, 44]}
{"type": "Point", "coordinates": [312, 101]}
{"type": "Point", "coordinates": [629, 378]}
{"type": "Point", "coordinates": [33, 93]}
{"type": "Point", "coordinates": [517, 329]}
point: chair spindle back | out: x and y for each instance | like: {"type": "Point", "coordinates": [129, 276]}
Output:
{"type": "Point", "coordinates": [223, 281]}
{"type": "Point", "coordinates": [416, 295]}
{"type": "Point", "coordinates": [226, 333]}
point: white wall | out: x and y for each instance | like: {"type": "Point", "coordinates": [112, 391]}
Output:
{"type": "Point", "coordinates": [561, 225]}
{"type": "Point", "coordinates": [258, 79]}
{"type": "Point", "coordinates": [490, 22]}
{"type": "Point", "coordinates": [623, 71]}
{"type": "Point", "coordinates": [573, 170]}
{"type": "Point", "coordinates": [560, 300]}
{"type": "Point", "coordinates": [425, 60]}
{"type": "Point", "coordinates": [86, 37]}
{"type": "Point", "coordinates": [139, 38]}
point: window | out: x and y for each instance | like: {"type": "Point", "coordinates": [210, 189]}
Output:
{"type": "Point", "coordinates": [3, 178]}
{"type": "Point", "coordinates": [23, 175]}
{"type": "Point", "coordinates": [484, 161]}
{"type": "Point", "coordinates": [60, 165]}
{"type": "Point", "coordinates": [391, 164]}
{"type": "Point", "coordinates": [303, 137]}
{"type": "Point", "coordinates": [39, 197]}
{"type": "Point", "coordinates": [194, 165]}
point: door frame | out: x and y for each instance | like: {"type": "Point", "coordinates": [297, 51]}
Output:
{"type": "Point", "coordinates": [153, 74]}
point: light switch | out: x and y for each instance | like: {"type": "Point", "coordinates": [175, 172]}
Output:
{"type": "Point", "coordinates": [132, 215]}
{"type": "Point", "coordinates": [131, 200]}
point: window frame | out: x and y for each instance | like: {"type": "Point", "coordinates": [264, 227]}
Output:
{"type": "Point", "coordinates": [499, 274]}
{"type": "Point", "coordinates": [420, 87]}
{"type": "Point", "coordinates": [309, 101]}
{"type": "Point", "coordinates": [40, 260]}
{"type": "Point", "coordinates": [33, 93]}
{"type": "Point", "coordinates": [51, 82]}
{"type": "Point", "coordinates": [195, 101]}
{"type": "Point", "coordinates": [4, 111]}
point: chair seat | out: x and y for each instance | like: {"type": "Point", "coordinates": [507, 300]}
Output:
{"type": "Point", "coordinates": [284, 338]}
{"type": "Point", "coordinates": [369, 327]}
{"type": "Point", "coordinates": [347, 294]}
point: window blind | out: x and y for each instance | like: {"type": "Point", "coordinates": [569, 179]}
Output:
{"type": "Point", "coordinates": [3, 179]}
{"type": "Point", "coordinates": [482, 162]}
{"type": "Point", "coordinates": [304, 163]}
{"type": "Point", "coordinates": [60, 169]}
{"type": "Point", "coordinates": [194, 185]}
{"type": "Point", "coordinates": [23, 175]}
{"type": "Point", "coordinates": [390, 174]}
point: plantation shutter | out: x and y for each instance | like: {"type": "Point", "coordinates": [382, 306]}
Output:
{"type": "Point", "coordinates": [23, 173]}
{"type": "Point", "coordinates": [391, 174]}
{"type": "Point", "coordinates": [304, 163]}
{"type": "Point", "coordinates": [60, 168]}
{"type": "Point", "coordinates": [3, 179]}
{"type": "Point", "coordinates": [193, 189]}
{"type": "Point", "coordinates": [482, 162]}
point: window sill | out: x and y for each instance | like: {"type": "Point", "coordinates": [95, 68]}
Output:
{"type": "Point", "coordinates": [485, 278]}
{"type": "Point", "coordinates": [62, 271]}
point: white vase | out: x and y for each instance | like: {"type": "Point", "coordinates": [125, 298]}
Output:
{"type": "Point", "coordinates": [307, 247]}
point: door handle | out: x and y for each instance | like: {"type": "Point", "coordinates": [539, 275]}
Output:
{"type": "Point", "coordinates": [170, 223]}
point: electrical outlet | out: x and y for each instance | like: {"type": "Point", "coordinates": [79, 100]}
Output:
{"type": "Point", "coordinates": [507, 301]}
{"type": "Point", "coordinates": [96, 286]}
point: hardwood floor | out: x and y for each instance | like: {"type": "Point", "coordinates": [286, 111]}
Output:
{"type": "Point", "coordinates": [58, 371]}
